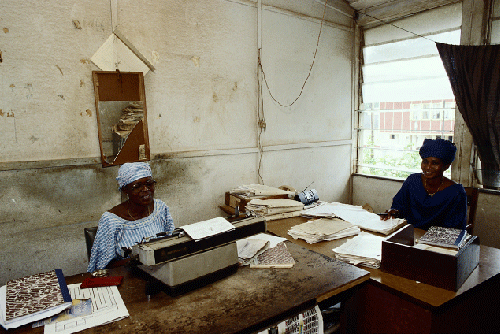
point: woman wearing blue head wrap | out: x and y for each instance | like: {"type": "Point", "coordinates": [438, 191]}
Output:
{"type": "Point", "coordinates": [429, 198]}
{"type": "Point", "coordinates": [126, 224]}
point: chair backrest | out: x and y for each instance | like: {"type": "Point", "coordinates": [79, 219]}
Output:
{"type": "Point", "coordinates": [90, 233]}
{"type": "Point", "coordinates": [472, 194]}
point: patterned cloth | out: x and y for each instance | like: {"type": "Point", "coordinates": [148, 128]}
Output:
{"type": "Point", "coordinates": [438, 148]}
{"type": "Point", "coordinates": [130, 172]}
{"type": "Point", "coordinates": [446, 208]}
{"type": "Point", "coordinates": [114, 232]}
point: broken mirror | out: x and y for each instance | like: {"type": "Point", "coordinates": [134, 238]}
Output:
{"type": "Point", "coordinates": [121, 116]}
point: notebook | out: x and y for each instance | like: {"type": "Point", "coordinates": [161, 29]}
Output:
{"type": "Point", "coordinates": [445, 237]}
{"type": "Point", "coordinates": [35, 296]}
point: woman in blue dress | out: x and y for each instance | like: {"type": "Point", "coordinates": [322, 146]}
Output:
{"type": "Point", "coordinates": [126, 224]}
{"type": "Point", "coordinates": [429, 198]}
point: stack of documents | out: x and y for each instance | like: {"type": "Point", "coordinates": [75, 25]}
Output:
{"type": "Point", "coordinates": [323, 229]}
{"type": "Point", "coordinates": [274, 208]}
{"type": "Point", "coordinates": [356, 215]}
{"type": "Point", "coordinates": [364, 249]}
{"type": "Point", "coordinates": [260, 190]}
{"type": "Point", "coordinates": [264, 251]}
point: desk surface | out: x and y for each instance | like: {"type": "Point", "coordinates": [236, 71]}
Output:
{"type": "Point", "coordinates": [247, 298]}
{"type": "Point", "coordinates": [489, 266]}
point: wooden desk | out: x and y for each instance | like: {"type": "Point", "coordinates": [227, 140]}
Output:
{"type": "Point", "coordinates": [249, 300]}
{"type": "Point", "coordinates": [389, 303]}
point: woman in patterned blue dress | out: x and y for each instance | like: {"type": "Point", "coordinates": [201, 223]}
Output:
{"type": "Point", "coordinates": [126, 224]}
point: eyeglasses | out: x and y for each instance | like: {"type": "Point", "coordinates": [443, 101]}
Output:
{"type": "Point", "coordinates": [150, 184]}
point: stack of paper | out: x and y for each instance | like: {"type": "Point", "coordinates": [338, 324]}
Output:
{"type": "Point", "coordinates": [264, 251]}
{"type": "Point", "coordinates": [364, 249]}
{"type": "Point", "coordinates": [323, 209]}
{"type": "Point", "coordinates": [357, 216]}
{"type": "Point", "coordinates": [276, 257]}
{"type": "Point", "coordinates": [249, 248]}
{"type": "Point", "coordinates": [274, 208]}
{"type": "Point", "coordinates": [260, 190]}
{"type": "Point", "coordinates": [323, 229]}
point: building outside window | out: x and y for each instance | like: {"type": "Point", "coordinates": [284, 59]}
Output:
{"type": "Point", "coordinates": [406, 93]}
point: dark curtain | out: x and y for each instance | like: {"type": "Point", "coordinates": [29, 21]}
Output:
{"type": "Point", "coordinates": [474, 73]}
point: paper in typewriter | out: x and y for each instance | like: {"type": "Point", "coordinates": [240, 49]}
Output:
{"type": "Point", "coordinates": [208, 228]}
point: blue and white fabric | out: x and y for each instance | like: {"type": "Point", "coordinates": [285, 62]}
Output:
{"type": "Point", "coordinates": [130, 172]}
{"type": "Point", "coordinates": [114, 232]}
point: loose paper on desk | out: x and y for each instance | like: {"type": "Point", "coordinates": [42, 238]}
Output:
{"type": "Point", "coordinates": [248, 248]}
{"type": "Point", "coordinates": [323, 229]}
{"type": "Point", "coordinates": [357, 216]}
{"type": "Point", "coordinates": [364, 249]}
{"type": "Point", "coordinates": [208, 228]}
{"type": "Point", "coordinates": [273, 240]}
{"type": "Point", "coordinates": [107, 306]}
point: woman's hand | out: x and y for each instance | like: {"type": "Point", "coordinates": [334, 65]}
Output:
{"type": "Point", "coordinates": [392, 213]}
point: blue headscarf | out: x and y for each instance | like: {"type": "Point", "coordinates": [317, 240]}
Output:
{"type": "Point", "coordinates": [438, 148]}
{"type": "Point", "coordinates": [130, 172]}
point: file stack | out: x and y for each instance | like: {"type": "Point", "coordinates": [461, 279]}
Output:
{"type": "Point", "coordinates": [323, 229]}
{"type": "Point", "coordinates": [364, 249]}
{"type": "Point", "coordinates": [271, 209]}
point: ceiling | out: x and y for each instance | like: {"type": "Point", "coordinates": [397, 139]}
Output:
{"type": "Point", "coordinates": [370, 13]}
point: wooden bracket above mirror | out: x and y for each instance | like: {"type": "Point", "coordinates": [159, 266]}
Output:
{"type": "Point", "coordinates": [120, 102]}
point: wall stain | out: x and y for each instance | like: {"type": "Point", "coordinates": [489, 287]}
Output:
{"type": "Point", "coordinates": [33, 138]}
{"type": "Point", "coordinates": [196, 119]}
{"type": "Point", "coordinates": [59, 69]}
{"type": "Point", "coordinates": [29, 87]}
{"type": "Point", "coordinates": [84, 61]}
{"type": "Point", "coordinates": [77, 24]}
{"type": "Point", "coordinates": [6, 30]}
{"type": "Point", "coordinates": [88, 113]}
{"type": "Point", "coordinates": [62, 97]}
{"type": "Point", "coordinates": [1, 113]}
{"type": "Point", "coordinates": [82, 83]}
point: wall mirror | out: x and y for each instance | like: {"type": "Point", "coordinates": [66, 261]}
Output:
{"type": "Point", "coordinates": [120, 102]}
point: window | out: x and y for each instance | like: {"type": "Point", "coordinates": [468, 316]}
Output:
{"type": "Point", "coordinates": [406, 93]}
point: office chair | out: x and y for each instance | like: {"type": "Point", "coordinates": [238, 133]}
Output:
{"type": "Point", "coordinates": [472, 195]}
{"type": "Point", "coordinates": [90, 233]}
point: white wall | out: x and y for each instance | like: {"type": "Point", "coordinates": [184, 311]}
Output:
{"type": "Point", "coordinates": [202, 103]}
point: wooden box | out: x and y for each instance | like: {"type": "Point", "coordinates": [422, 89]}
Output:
{"type": "Point", "coordinates": [449, 272]}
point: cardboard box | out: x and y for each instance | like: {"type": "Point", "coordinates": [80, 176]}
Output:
{"type": "Point", "coordinates": [449, 272]}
